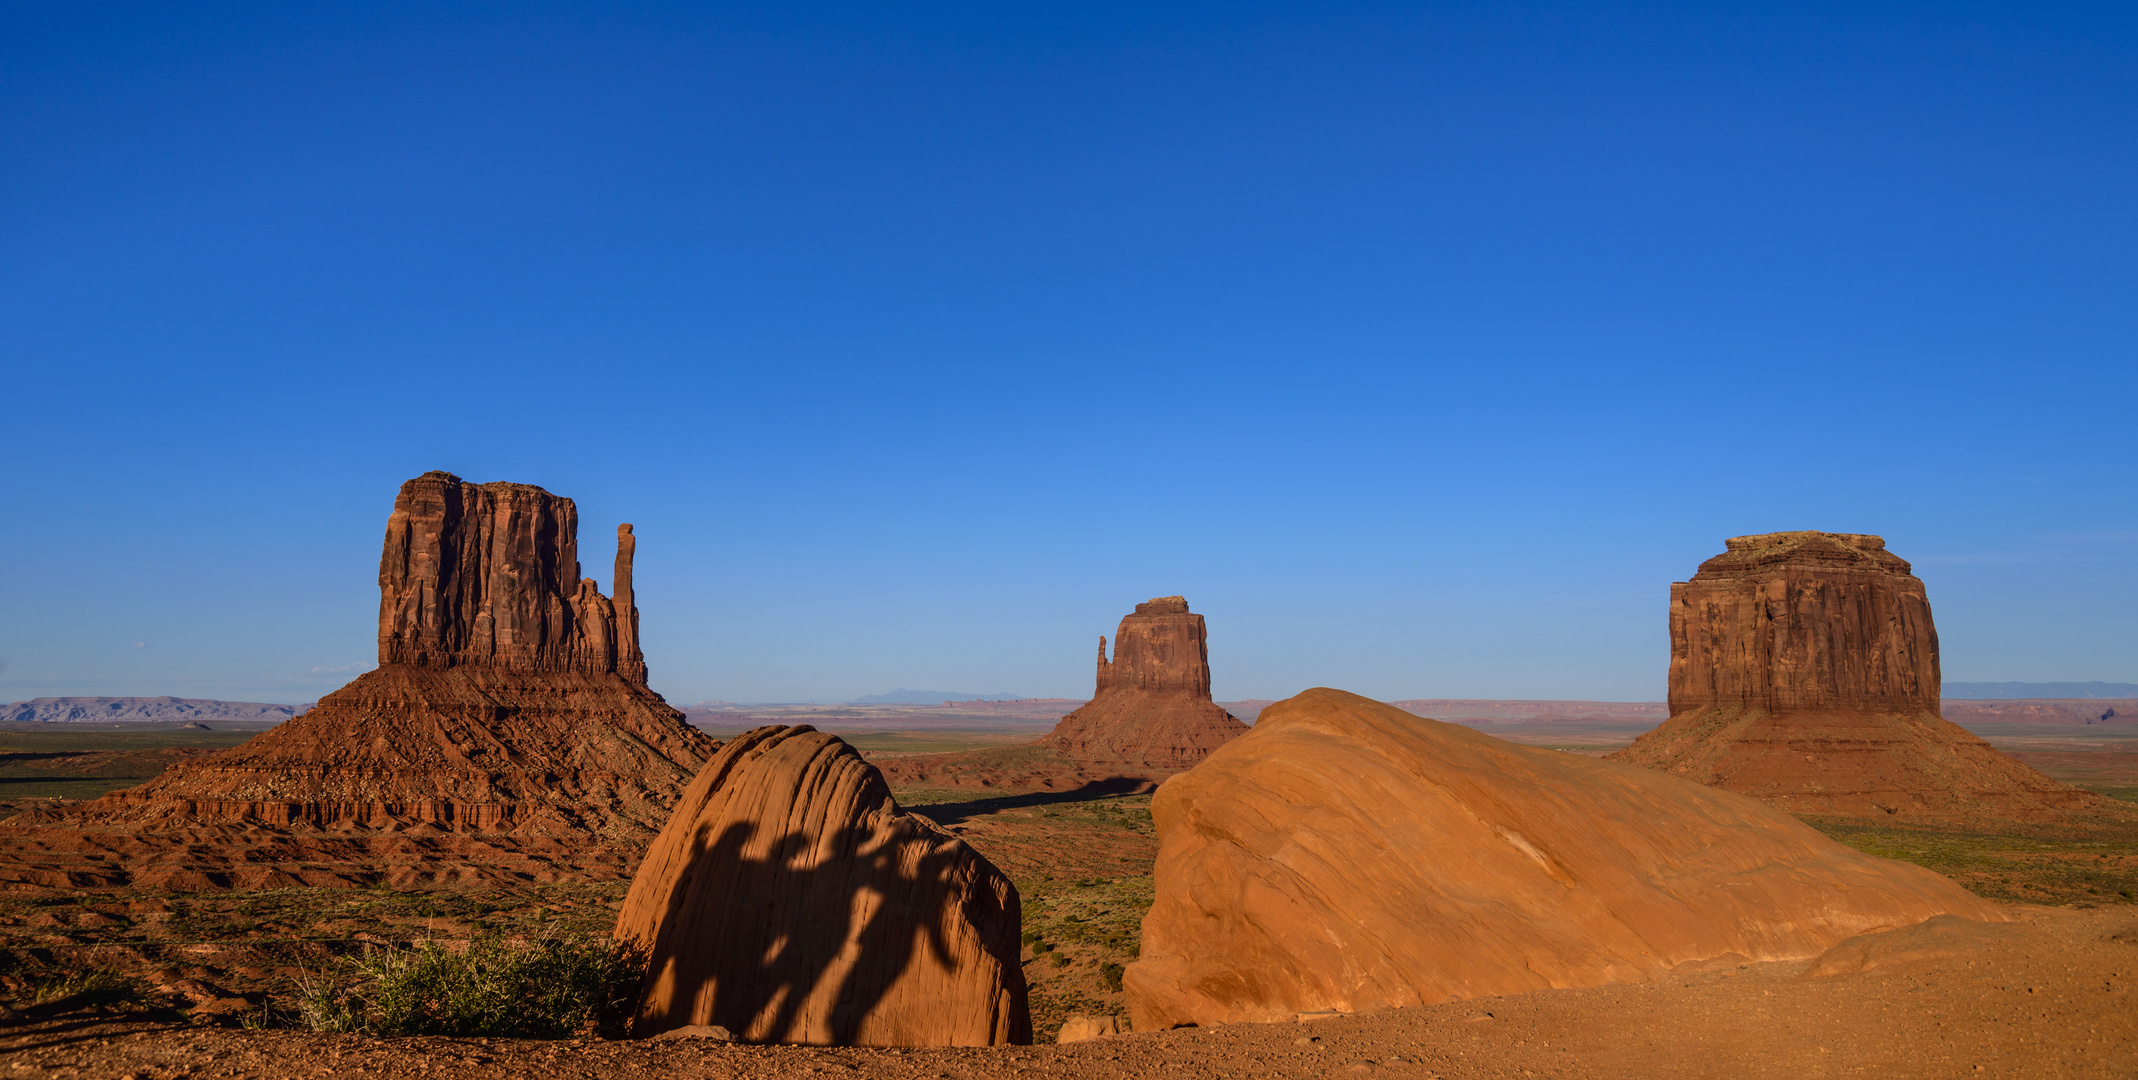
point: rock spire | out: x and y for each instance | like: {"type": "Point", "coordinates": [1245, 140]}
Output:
{"type": "Point", "coordinates": [507, 732]}
{"type": "Point", "coordinates": [488, 575]}
{"type": "Point", "coordinates": [1804, 671]}
{"type": "Point", "coordinates": [1152, 707]}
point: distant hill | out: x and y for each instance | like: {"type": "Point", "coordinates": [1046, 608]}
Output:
{"type": "Point", "coordinates": [143, 710]}
{"type": "Point", "coordinates": [929, 697]}
{"type": "Point", "coordinates": [2007, 691]}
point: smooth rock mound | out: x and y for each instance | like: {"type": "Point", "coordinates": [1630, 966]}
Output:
{"type": "Point", "coordinates": [1346, 855]}
{"type": "Point", "coordinates": [1804, 672]}
{"type": "Point", "coordinates": [790, 900]}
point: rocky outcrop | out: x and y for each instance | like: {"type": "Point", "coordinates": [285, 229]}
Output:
{"type": "Point", "coordinates": [487, 575]}
{"type": "Point", "coordinates": [1152, 709]}
{"type": "Point", "coordinates": [1804, 671]}
{"type": "Point", "coordinates": [790, 900]}
{"type": "Point", "coordinates": [507, 732]}
{"type": "Point", "coordinates": [1346, 855]}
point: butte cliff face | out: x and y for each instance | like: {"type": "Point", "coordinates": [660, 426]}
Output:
{"type": "Point", "coordinates": [507, 731]}
{"type": "Point", "coordinates": [1804, 671]}
{"type": "Point", "coordinates": [790, 900]}
{"type": "Point", "coordinates": [1346, 855]}
{"type": "Point", "coordinates": [1152, 708]}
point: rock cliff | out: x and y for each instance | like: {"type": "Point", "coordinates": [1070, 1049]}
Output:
{"type": "Point", "coordinates": [1346, 855]}
{"type": "Point", "coordinates": [1804, 671]}
{"type": "Point", "coordinates": [790, 900]}
{"type": "Point", "coordinates": [508, 731]}
{"type": "Point", "coordinates": [1152, 707]}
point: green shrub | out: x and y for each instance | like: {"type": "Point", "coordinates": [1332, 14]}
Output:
{"type": "Point", "coordinates": [1110, 973]}
{"type": "Point", "coordinates": [93, 986]}
{"type": "Point", "coordinates": [543, 989]}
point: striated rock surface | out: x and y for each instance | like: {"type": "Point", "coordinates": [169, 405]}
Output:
{"type": "Point", "coordinates": [1804, 671]}
{"type": "Point", "coordinates": [507, 732]}
{"type": "Point", "coordinates": [1346, 855]}
{"type": "Point", "coordinates": [790, 900]}
{"type": "Point", "coordinates": [1152, 709]}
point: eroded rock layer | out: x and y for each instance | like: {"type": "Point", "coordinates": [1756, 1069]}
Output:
{"type": "Point", "coordinates": [1152, 709]}
{"type": "Point", "coordinates": [508, 732]}
{"type": "Point", "coordinates": [790, 900]}
{"type": "Point", "coordinates": [1804, 672]}
{"type": "Point", "coordinates": [1346, 855]}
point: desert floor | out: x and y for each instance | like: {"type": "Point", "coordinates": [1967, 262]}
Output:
{"type": "Point", "coordinates": [2049, 999]}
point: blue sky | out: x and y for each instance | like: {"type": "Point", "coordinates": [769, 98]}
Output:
{"type": "Point", "coordinates": [1421, 347]}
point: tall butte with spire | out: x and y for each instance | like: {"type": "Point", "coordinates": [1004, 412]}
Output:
{"type": "Point", "coordinates": [1152, 708]}
{"type": "Point", "coordinates": [1804, 672]}
{"type": "Point", "coordinates": [507, 731]}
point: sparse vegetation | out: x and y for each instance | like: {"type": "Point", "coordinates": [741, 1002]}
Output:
{"type": "Point", "coordinates": [546, 988]}
{"type": "Point", "coordinates": [94, 986]}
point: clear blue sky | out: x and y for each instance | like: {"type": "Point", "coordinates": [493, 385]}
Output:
{"type": "Point", "coordinates": [1420, 347]}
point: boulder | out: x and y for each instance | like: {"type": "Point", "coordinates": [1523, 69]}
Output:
{"type": "Point", "coordinates": [1804, 672]}
{"type": "Point", "coordinates": [1346, 855]}
{"type": "Point", "coordinates": [790, 900]}
{"type": "Point", "coordinates": [1152, 708]}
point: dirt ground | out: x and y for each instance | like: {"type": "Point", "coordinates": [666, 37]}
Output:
{"type": "Point", "coordinates": [2051, 1001]}
{"type": "Point", "coordinates": [204, 966]}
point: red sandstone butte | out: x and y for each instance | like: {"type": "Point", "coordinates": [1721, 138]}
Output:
{"type": "Point", "coordinates": [507, 732]}
{"type": "Point", "coordinates": [1804, 672]}
{"type": "Point", "coordinates": [790, 900]}
{"type": "Point", "coordinates": [1152, 708]}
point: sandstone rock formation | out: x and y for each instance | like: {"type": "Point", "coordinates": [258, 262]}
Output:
{"type": "Point", "coordinates": [790, 900]}
{"type": "Point", "coordinates": [1346, 855]}
{"type": "Point", "coordinates": [1804, 671]}
{"type": "Point", "coordinates": [508, 731]}
{"type": "Point", "coordinates": [1152, 709]}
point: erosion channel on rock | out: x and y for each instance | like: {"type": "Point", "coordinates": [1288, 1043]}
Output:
{"type": "Point", "coordinates": [790, 900]}
{"type": "Point", "coordinates": [1347, 855]}
{"type": "Point", "coordinates": [507, 733]}
{"type": "Point", "coordinates": [1804, 672]}
{"type": "Point", "coordinates": [1150, 716]}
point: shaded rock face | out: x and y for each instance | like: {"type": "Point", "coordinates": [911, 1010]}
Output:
{"type": "Point", "coordinates": [790, 900]}
{"type": "Point", "coordinates": [1804, 671]}
{"type": "Point", "coordinates": [1152, 708]}
{"type": "Point", "coordinates": [488, 575]}
{"type": "Point", "coordinates": [507, 733]}
{"type": "Point", "coordinates": [1346, 855]}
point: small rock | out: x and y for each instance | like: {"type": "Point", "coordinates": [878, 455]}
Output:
{"type": "Point", "coordinates": [1080, 1027]}
{"type": "Point", "coordinates": [697, 1031]}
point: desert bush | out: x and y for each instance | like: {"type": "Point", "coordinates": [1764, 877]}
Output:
{"type": "Point", "coordinates": [542, 989]}
{"type": "Point", "coordinates": [1110, 973]}
{"type": "Point", "coordinates": [91, 986]}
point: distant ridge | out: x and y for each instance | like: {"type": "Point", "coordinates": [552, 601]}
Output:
{"type": "Point", "coordinates": [142, 710]}
{"type": "Point", "coordinates": [2007, 691]}
{"type": "Point", "coordinates": [929, 697]}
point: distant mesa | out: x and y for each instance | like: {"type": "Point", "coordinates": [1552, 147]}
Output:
{"type": "Point", "coordinates": [507, 732]}
{"type": "Point", "coordinates": [790, 900]}
{"type": "Point", "coordinates": [143, 710]}
{"type": "Point", "coordinates": [1804, 672]}
{"type": "Point", "coordinates": [1152, 707]}
{"type": "Point", "coordinates": [1150, 717]}
{"type": "Point", "coordinates": [2008, 691]}
{"type": "Point", "coordinates": [1348, 856]}
{"type": "Point", "coordinates": [929, 697]}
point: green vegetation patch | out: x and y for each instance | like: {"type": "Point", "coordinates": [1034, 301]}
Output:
{"type": "Point", "coordinates": [2011, 869]}
{"type": "Point", "coordinates": [548, 988]}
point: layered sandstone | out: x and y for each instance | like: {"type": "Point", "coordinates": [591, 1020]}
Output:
{"type": "Point", "coordinates": [507, 731]}
{"type": "Point", "coordinates": [1152, 708]}
{"type": "Point", "coordinates": [790, 900]}
{"type": "Point", "coordinates": [1804, 672]}
{"type": "Point", "coordinates": [1346, 855]}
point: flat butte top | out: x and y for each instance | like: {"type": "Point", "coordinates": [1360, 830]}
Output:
{"type": "Point", "coordinates": [1803, 550]}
